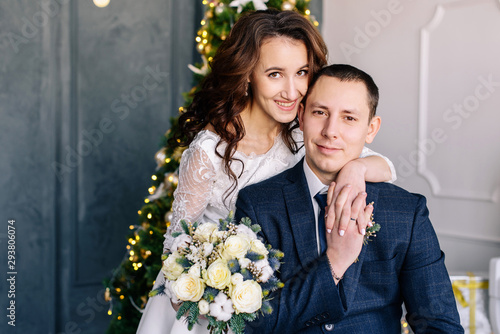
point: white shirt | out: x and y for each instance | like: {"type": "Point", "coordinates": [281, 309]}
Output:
{"type": "Point", "coordinates": [315, 186]}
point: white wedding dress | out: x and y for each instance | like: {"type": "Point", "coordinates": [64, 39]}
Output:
{"type": "Point", "coordinates": [202, 196]}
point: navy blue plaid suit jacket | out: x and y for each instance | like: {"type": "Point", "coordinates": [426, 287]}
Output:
{"type": "Point", "coordinates": [403, 263]}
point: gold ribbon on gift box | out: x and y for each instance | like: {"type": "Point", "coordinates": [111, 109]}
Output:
{"type": "Point", "coordinates": [472, 285]}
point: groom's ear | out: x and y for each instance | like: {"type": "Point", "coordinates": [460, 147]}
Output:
{"type": "Point", "coordinates": [300, 115]}
{"type": "Point", "coordinates": [373, 128]}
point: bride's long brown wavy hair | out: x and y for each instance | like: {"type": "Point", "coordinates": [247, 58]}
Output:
{"type": "Point", "coordinates": [225, 93]}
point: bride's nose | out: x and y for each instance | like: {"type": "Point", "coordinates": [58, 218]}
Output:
{"type": "Point", "coordinates": [291, 90]}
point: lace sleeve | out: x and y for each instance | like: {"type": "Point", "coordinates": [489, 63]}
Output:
{"type": "Point", "coordinates": [367, 152]}
{"type": "Point", "coordinates": [194, 190]}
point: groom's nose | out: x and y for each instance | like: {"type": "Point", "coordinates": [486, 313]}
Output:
{"type": "Point", "coordinates": [330, 127]}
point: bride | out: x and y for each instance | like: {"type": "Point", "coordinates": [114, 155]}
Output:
{"type": "Point", "coordinates": [241, 129]}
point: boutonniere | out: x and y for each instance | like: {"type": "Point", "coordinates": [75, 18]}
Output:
{"type": "Point", "coordinates": [371, 231]}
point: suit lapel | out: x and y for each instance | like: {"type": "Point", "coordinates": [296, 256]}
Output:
{"type": "Point", "coordinates": [301, 214]}
{"type": "Point", "coordinates": [351, 276]}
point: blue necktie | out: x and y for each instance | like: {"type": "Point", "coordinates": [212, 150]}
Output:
{"type": "Point", "coordinates": [321, 199]}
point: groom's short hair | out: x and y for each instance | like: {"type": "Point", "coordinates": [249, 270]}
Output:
{"type": "Point", "coordinates": [345, 72]}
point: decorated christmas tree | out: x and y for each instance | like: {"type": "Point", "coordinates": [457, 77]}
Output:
{"type": "Point", "coordinates": [128, 287]}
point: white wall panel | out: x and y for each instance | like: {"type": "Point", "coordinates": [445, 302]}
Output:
{"type": "Point", "coordinates": [437, 66]}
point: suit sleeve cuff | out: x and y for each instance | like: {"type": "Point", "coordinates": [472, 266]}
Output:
{"type": "Point", "coordinates": [331, 296]}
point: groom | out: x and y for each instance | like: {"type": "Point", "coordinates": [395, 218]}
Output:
{"type": "Point", "coordinates": [328, 290]}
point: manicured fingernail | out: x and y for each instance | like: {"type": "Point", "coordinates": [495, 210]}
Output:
{"type": "Point", "coordinates": [363, 232]}
{"type": "Point", "coordinates": [328, 230]}
{"type": "Point", "coordinates": [363, 193]}
{"type": "Point", "coordinates": [341, 232]}
{"type": "Point", "coordinates": [348, 186]}
{"type": "Point", "coordinates": [370, 224]}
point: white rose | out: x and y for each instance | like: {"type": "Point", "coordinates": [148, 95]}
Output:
{"type": "Point", "coordinates": [207, 249]}
{"type": "Point", "coordinates": [181, 241]}
{"type": "Point", "coordinates": [245, 230]}
{"type": "Point", "coordinates": [247, 297]}
{"type": "Point", "coordinates": [218, 275]}
{"type": "Point", "coordinates": [204, 231]}
{"type": "Point", "coordinates": [258, 247]}
{"type": "Point", "coordinates": [244, 262]}
{"type": "Point", "coordinates": [188, 288]}
{"type": "Point", "coordinates": [203, 306]}
{"type": "Point", "coordinates": [236, 278]}
{"type": "Point", "coordinates": [236, 247]}
{"type": "Point", "coordinates": [171, 269]}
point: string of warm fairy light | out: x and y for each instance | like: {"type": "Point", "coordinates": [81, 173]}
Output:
{"type": "Point", "coordinates": [404, 327]}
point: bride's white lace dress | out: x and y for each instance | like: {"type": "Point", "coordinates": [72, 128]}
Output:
{"type": "Point", "coordinates": [202, 196]}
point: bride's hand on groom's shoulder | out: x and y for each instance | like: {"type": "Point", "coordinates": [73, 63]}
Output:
{"type": "Point", "coordinates": [347, 200]}
{"type": "Point", "coordinates": [342, 251]}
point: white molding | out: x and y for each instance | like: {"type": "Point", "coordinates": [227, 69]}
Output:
{"type": "Point", "coordinates": [436, 188]}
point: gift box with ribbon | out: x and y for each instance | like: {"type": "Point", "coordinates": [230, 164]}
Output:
{"type": "Point", "coordinates": [471, 294]}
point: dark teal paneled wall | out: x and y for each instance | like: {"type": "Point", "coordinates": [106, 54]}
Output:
{"type": "Point", "coordinates": [85, 95]}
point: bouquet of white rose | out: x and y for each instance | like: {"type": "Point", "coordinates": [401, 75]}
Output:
{"type": "Point", "coordinates": [222, 271]}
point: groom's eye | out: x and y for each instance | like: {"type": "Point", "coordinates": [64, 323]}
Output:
{"type": "Point", "coordinates": [302, 73]}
